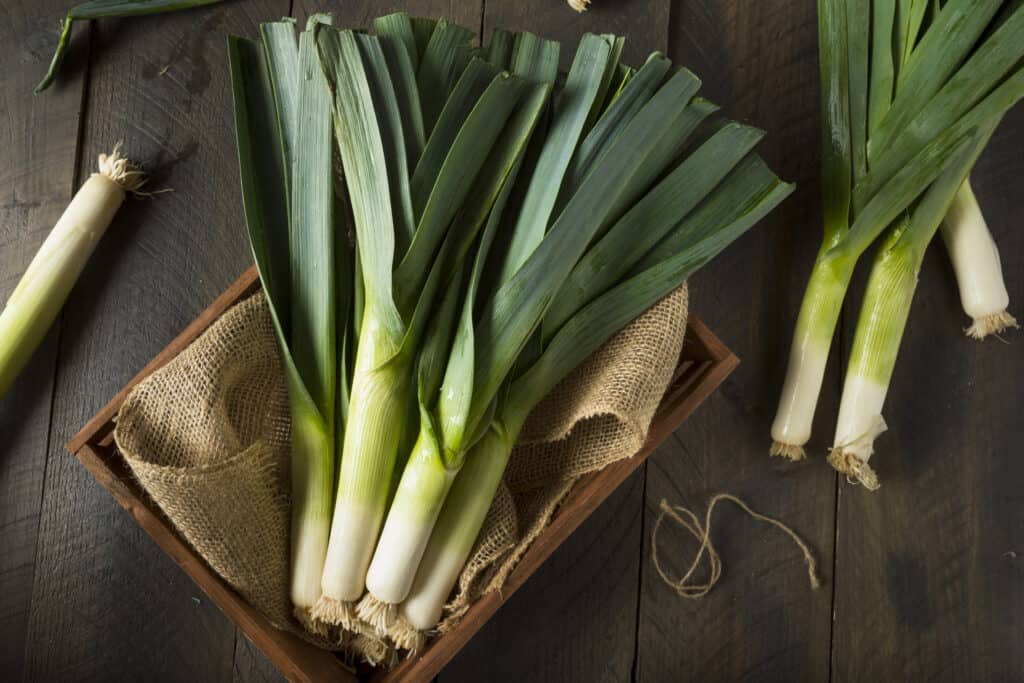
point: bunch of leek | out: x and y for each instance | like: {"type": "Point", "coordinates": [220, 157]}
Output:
{"type": "Point", "coordinates": [502, 233]}
{"type": "Point", "coordinates": [911, 90]}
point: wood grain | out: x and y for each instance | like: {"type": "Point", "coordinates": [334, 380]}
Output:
{"type": "Point", "coordinates": [108, 604]}
{"type": "Point", "coordinates": [584, 600]}
{"type": "Point", "coordinates": [38, 138]}
{"type": "Point", "coordinates": [758, 60]}
{"type": "Point", "coordinates": [929, 567]}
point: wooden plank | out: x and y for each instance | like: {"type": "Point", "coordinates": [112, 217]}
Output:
{"type": "Point", "coordinates": [758, 60]}
{"type": "Point", "coordinates": [251, 666]}
{"type": "Point", "coordinates": [361, 13]}
{"type": "Point", "coordinates": [584, 600]}
{"type": "Point", "coordinates": [38, 136]}
{"type": "Point", "coordinates": [574, 620]}
{"type": "Point", "coordinates": [108, 603]}
{"type": "Point", "coordinates": [929, 566]}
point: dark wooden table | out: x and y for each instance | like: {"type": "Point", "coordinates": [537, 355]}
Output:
{"type": "Point", "coordinates": [924, 580]}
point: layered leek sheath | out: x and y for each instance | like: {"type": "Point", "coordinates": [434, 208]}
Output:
{"type": "Point", "coordinates": [43, 289]}
{"type": "Point", "coordinates": [283, 124]}
{"type": "Point", "coordinates": [976, 263]}
{"type": "Point", "coordinates": [904, 92]}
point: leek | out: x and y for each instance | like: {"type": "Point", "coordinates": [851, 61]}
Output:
{"type": "Point", "coordinates": [886, 139]}
{"type": "Point", "coordinates": [501, 235]}
{"type": "Point", "coordinates": [738, 202]}
{"type": "Point", "coordinates": [397, 300]}
{"type": "Point", "coordinates": [283, 125]}
{"type": "Point", "coordinates": [43, 289]}
{"type": "Point", "coordinates": [979, 272]}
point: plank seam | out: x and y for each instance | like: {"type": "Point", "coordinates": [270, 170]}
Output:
{"type": "Point", "coordinates": [59, 334]}
{"type": "Point", "coordinates": [835, 509]}
{"type": "Point", "coordinates": [634, 669]}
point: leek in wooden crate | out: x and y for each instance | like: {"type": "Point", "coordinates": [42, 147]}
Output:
{"type": "Point", "coordinates": [506, 224]}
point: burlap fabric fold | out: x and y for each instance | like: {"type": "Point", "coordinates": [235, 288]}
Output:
{"type": "Point", "coordinates": [207, 438]}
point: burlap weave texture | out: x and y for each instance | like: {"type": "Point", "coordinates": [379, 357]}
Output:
{"type": "Point", "coordinates": [207, 438]}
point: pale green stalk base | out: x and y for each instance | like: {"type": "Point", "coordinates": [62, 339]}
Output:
{"type": "Point", "coordinates": [876, 343]}
{"type": "Point", "coordinates": [457, 529]}
{"type": "Point", "coordinates": [312, 483]}
{"type": "Point", "coordinates": [979, 272]}
{"type": "Point", "coordinates": [808, 356]}
{"type": "Point", "coordinates": [45, 286]}
{"type": "Point", "coordinates": [374, 426]}
{"type": "Point", "coordinates": [421, 494]}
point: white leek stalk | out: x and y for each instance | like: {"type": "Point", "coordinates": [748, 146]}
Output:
{"type": "Point", "coordinates": [976, 263]}
{"type": "Point", "coordinates": [43, 289]}
{"type": "Point", "coordinates": [457, 528]}
{"type": "Point", "coordinates": [808, 355]}
{"type": "Point", "coordinates": [876, 342]}
{"type": "Point", "coordinates": [376, 412]}
{"type": "Point", "coordinates": [421, 492]}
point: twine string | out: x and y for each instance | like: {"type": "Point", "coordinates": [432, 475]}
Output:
{"type": "Point", "coordinates": [692, 589]}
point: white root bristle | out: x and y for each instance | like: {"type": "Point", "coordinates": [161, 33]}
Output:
{"type": "Point", "coordinates": [855, 469]}
{"type": "Point", "coordinates": [335, 613]}
{"type": "Point", "coordinates": [788, 451]}
{"type": "Point", "coordinates": [378, 614]}
{"type": "Point", "coordinates": [406, 637]}
{"type": "Point", "coordinates": [372, 650]}
{"type": "Point", "coordinates": [991, 324]}
{"type": "Point", "coordinates": [121, 170]}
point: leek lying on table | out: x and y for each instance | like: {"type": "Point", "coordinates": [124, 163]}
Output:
{"type": "Point", "coordinates": [43, 289]}
{"type": "Point", "coordinates": [893, 124]}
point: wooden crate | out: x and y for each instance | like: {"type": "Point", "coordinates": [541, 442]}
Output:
{"type": "Point", "coordinates": [705, 362]}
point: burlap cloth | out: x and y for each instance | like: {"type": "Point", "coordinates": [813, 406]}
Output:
{"type": "Point", "coordinates": [207, 438]}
